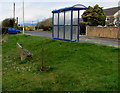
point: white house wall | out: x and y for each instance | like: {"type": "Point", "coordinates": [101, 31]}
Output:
{"type": "Point", "coordinates": [116, 15]}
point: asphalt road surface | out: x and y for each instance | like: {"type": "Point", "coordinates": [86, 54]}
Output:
{"type": "Point", "coordinates": [83, 38]}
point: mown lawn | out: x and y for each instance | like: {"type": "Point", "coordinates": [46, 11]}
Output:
{"type": "Point", "coordinates": [73, 66]}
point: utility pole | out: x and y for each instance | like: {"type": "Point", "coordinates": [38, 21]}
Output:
{"type": "Point", "coordinates": [23, 18]}
{"type": "Point", "coordinates": [17, 20]}
{"type": "Point", "coordinates": [32, 23]}
{"type": "Point", "coordinates": [14, 11]}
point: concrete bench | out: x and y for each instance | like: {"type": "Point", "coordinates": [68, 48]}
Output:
{"type": "Point", "coordinates": [23, 53]}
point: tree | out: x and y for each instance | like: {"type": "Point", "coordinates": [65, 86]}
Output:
{"type": "Point", "coordinates": [94, 16]}
{"type": "Point", "coordinates": [46, 24]}
{"type": "Point", "coordinates": [8, 22]}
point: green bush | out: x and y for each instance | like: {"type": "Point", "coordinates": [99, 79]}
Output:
{"type": "Point", "coordinates": [82, 28]}
{"type": "Point", "coordinates": [8, 22]}
{"type": "Point", "coordinates": [20, 28]}
{"type": "Point", "coordinates": [94, 16]}
{"type": "Point", "coordinates": [46, 24]}
{"type": "Point", "coordinates": [45, 28]}
{"type": "Point", "coordinates": [4, 30]}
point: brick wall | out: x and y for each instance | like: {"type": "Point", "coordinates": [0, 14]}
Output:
{"type": "Point", "coordinates": [110, 32]}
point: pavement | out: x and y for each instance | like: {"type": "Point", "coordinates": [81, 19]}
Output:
{"type": "Point", "coordinates": [83, 38]}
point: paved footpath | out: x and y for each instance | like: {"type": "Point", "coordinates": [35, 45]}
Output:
{"type": "Point", "coordinates": [83, 38]}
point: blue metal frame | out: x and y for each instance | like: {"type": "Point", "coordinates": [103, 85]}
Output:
{"type": "Point", "coordinates": [71, 8]}
{"type": "Point", "coordinates": [78, 26]}
{"type": "Point", "coordinates": [77, 7]}
{"type": "Point", "coordinates": [53, 25]}
{"type": "Point", "coordinates": [65, 39]}
{"type": "Point", "coordinates": [71, 25]}
{"type": "Point", "coordinates": [64, 24]}
{"type": "Point", "coordinates": [58, 25]}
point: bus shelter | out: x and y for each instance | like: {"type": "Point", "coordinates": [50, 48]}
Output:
{"type": "Point", "coordinates": [66, 23]}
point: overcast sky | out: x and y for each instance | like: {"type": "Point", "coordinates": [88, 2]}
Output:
{"type": "Point", "coordinates": [37, 10]}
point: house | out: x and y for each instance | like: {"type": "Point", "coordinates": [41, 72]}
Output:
{"type": "Point", "coordinates": [112, 16]}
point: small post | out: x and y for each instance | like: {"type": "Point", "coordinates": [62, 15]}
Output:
{"type": "Point", "coordinates": [42, 55]}
{"type": "Point", "coordinates": [42, 68]}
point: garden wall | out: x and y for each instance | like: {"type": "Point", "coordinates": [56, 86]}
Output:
{"type": "Point", "coordinates": [109, 32]}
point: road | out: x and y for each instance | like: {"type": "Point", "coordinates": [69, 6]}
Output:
{"type": "Point", "coordinates": [83, 38]}
{"type": "Point", "coordinates": [39, 33]}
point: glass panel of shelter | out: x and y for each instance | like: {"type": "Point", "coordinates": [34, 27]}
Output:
{"type": "Point", "coordinates": [55, 23]}
{"type": "Point", "coordinates": [75, 32]}
{"type": "Point", "coordinates": [55, 18]}
{"type": "Point", "coordinates": [67, 24]}
{"type": "Point", "coordinates": [75, 17]}
{"type": "Point", "coordinates": [55, 31]}
{"type": "Point", "coordinates": [75, 25]}
{"type": "Point", "coordinates": [61, 25]}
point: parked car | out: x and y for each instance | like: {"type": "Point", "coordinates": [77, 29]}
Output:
{"type": "Point", "coordinates": [11, 30]}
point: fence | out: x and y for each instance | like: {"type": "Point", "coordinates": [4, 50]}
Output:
{"type": "Point", "coordinates": [109, 32]}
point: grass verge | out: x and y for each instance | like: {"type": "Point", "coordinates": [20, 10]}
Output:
{"type": "Point", "coordinates": [73, 66]}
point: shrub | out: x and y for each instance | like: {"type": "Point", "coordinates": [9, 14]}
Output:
{"type": "Point", "coordinates": [8, 22]}
{"type": "Point", "coordinates": [4, 30]}
{"type": "Point", "coordinates": [94, 16]}
{"type": "Point", "coordinates": [20, 28]}
{"type": "Point", "coordinates": [46, 24]}
{"type": "Point", "coordinates": [82, 28]}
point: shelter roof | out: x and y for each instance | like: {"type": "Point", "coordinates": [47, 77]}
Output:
{"type": "Point", "coordinates": [75, 7]}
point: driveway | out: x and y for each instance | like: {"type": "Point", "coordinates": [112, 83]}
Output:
{"type": "Point", "coordinates": [83, 38]}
